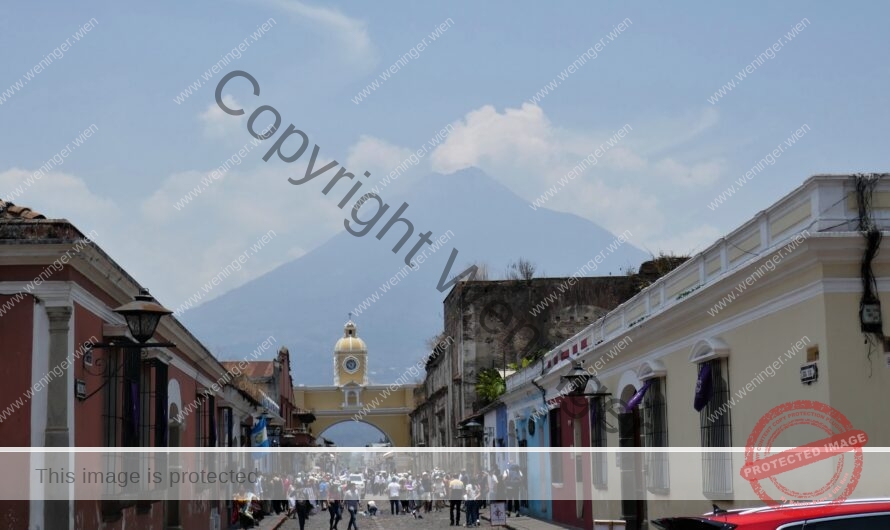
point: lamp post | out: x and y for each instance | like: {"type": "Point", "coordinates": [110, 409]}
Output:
{"type": "Point", "coordinates": [142, 315]}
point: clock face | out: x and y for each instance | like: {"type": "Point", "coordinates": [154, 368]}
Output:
{"type": "Point", "coordinates": [350, 364]}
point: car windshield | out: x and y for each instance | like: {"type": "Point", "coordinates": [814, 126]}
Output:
{"type": "Point", "coordinates": [356, 478]}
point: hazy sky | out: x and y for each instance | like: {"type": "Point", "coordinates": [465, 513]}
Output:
{"type": "Point", "coordinates": [479, 75]}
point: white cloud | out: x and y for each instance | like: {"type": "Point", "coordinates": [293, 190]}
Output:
{"type": "Point", "coordinates": [200, 239]}
{"type": "Point", "coordinates": [377, 156]}
{"type": "Point", "coordinates": [61, 195]}
{"type": "Point", "coordinates": [351, 34]}
{"type": "Point", "coordinates": [527, 152]}
{"type": "Point", "coordinates": [218, 124]}
{"type": "Point", "coordinates": [485, 137]}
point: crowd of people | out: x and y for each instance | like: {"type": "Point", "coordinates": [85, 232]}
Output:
{"type": "Point", "coordinates": [356, 494]}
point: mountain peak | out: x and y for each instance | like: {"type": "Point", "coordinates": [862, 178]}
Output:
{"type": "Point", "coordinates": [302, 303]}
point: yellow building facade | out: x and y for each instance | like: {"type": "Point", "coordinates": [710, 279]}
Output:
{"type": "Point", "coordinates": [353, 398]}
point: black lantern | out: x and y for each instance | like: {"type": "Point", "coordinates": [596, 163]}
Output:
{"type": "Point", "coordinates": [576, 380]}
{"type": "Point", "coordinates": [143, 315]}
{"type": "Point", "coordinates": [473, 424]}
{"type": "Point", "coordinates": [579, 383]}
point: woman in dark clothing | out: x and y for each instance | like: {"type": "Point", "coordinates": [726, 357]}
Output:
{"type": "Point", "coordinates": [335, 505]}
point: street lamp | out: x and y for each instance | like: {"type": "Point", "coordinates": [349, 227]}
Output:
{"type": "Point", "coordinates": [578, 385]}
{"type": "Point", "coordinates": [575, 381]}
{"type": "Point", "coordinates": [142, 316]}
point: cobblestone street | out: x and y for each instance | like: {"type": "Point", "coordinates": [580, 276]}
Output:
{"type": "Point", "coordinates": [432, 520]}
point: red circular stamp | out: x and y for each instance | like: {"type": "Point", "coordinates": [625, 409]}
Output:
{"type": "Point", "coordinates": [797, 419]}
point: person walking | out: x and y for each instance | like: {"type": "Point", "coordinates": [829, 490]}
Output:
{"type": "Point", "coordinates": [334, 505]}
{"type": "Point", "coordinates": [426, 492]}
{"type": "Point", "coordinates": [323, 492]}
{"type": "Point", "coordinates": [302, 507]}
{"type": "Point", "coordinates": [394, 489]}
{"type": "Point", "coordinates": [351, 500]}
{"type": "Point", "coordinates": [473, 501]}
{"type": "Point", "coordinates": [513, 480]}
{"type": "Point", "coordinates": [482, 482]}
{"type": "Point", "coordinates": [439, 492]}
{"type": "Point", "coordinates": [456, 493]}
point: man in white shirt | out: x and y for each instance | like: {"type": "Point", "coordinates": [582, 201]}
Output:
{"type": "Point", "coordinates": [394, 489]}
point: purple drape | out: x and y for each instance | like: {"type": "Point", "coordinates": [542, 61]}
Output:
{"type": "Point", "coordinates": [162, 430]}
{"type": "Point", "coordinates": [703, 388]}
{"type": "Point", "coordinates": [134, 410]}
{"type": "Point", "coordinates": [212, 424]}
{"type": "Point", "coordinates": [637, 398]}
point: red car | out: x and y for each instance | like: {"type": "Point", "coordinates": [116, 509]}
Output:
{"type": "Point", "coordinates": [866, 514]}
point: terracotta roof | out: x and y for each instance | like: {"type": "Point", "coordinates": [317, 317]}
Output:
{"type": "Point", "coordinates": [254, 369]}
{"type": "Point", "coordinates": [9, 210]}
{"type": "Point", "coordinates": [247, 389]}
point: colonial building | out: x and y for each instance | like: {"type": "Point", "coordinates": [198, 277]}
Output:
{"type": "Point", "coordinates": [272, 384]}
{"type": "Point", "coordinates": [493, 324]}
{"type": "Point", "coordinates": [784, 308]}
{"type": "Point", "coordinates": [58, 292]}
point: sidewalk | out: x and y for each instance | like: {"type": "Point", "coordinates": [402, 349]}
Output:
{"type": "Point", "coordinates": [526, 523]}
{"type": "Point", "coordinates": [272, 522]}
{"type": "Point", "coordinates": [269, 522]}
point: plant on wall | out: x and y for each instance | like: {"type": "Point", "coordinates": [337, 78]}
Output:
{"type": "Point", "coordinates": [490, 385]}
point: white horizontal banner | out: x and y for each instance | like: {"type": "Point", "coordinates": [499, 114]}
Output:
{"type": "Point", "coordinates": [804, 474]}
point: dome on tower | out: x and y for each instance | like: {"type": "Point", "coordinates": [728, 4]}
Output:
{"type": "Point", "coordinates": [350, 343]}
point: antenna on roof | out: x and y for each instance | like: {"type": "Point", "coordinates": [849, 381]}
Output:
{"type": "Point", "coordinates": [717, 510]}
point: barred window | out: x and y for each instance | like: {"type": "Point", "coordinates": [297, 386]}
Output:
{"type": "Point", "coordinates": [123, 409]}
{"type": "Point", "coordinates": [555, 441]}
{"type": "Point", "coordinates": [655, 434]}
{"type": "Point", "coordinates": [716, 431]}
{"type": "Point", "coordinates": [598, 439]}
{"type": "Point", "coordinates": [135, 414]}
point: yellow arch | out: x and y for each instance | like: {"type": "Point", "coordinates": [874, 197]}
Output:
{"type": "Point", "coordinates": [389, 413]}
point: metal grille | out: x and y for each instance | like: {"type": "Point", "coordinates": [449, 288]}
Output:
{"type": "Point", "coordinates": [598, 439]}
{"type": "Point", "coordinates": [716, 431]}
{"type": "Point", "coordinates": [555, 441]}
{"type": "Point", "coordinates": [655, 434]}
{"type": "Point", "coordinates": [127, 416]}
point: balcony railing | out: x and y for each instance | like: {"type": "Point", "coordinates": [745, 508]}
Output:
{"type": "Point", "coordinates": [822, 203]}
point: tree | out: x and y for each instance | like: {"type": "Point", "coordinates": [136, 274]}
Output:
{"type": "Point", "coordinates": [521, 269]}
{"type": "Point", "coordinates": [490, 385]}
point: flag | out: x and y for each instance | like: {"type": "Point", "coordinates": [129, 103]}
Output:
{"type": "Point", "coordinates": [638, 397]}
{"type": "Point", "coordinates": [258, 436]}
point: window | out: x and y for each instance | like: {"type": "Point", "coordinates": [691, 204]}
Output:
{"type": "Point", "coordinates": [655, 434]}
{"type": "Point", "coordinates": [123, 403]}
{"type": "Point", "coordinates": [598, 439]}
{"type": "Point", "coordinates": [133, 416]}
{"type": "Point", "coordinates": [865, 521]}
{"type": "Point", "coordinates": [555, 441]}
{"type": "Point", "coordinates": [715, 420]}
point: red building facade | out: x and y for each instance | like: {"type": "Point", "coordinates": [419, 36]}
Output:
{"type": "Point", "coordinates": [58, 291]}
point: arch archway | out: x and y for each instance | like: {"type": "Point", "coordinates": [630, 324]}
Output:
{"type": "Point", "coordinates": [359, 432]}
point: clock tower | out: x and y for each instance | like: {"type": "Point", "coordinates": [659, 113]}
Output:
{"type": "Point", "coordinates": [350, 359]}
